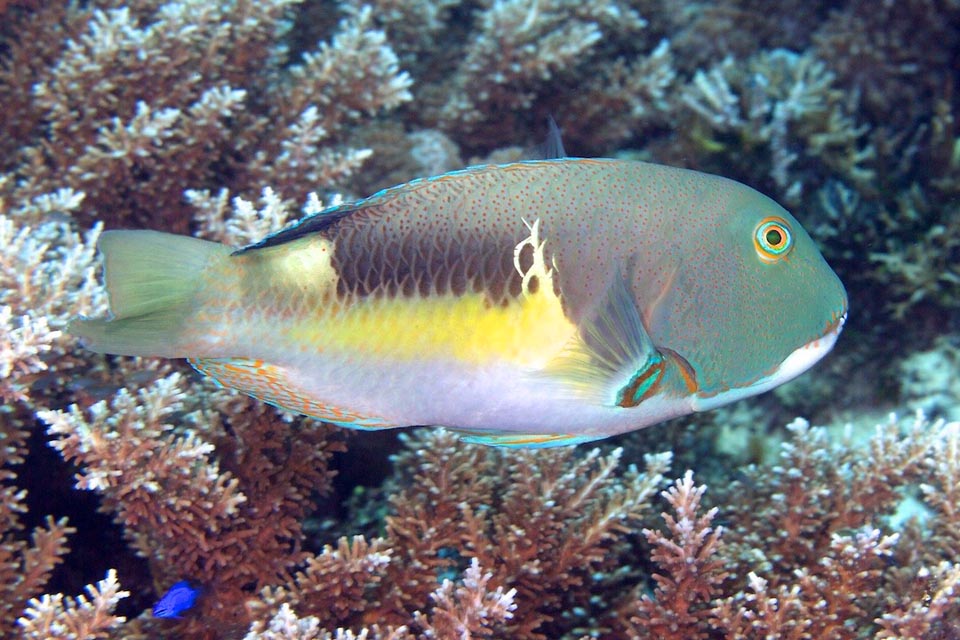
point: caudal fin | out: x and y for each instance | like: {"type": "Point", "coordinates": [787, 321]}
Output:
{"type": "Point", "coordinates": [152, 280]}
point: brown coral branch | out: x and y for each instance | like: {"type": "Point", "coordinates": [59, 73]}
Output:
{"type": "Point", "coordinates": [471, 610]}
{"type": "Point", "coordinates": [688, 556]}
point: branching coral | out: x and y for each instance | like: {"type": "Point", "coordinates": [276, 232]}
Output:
{"type": "Point", "coordinates": [827, 602]}
{"type": "Point", "coordinates": [924, 269]}
{"type": "Point", "coordinates": [523, 60]}
{"type": "Point", "coordinates": [470, 610]}
{"type": "Point", "coordinates": [25, 567]}
{"type": "Point", "coordinates": [541, 538]}
{"type": "Point", "coordinates": [779, 101]}
{"type": "Point", "coordinates": [819, 495]}
{"type": "Point", "coordinates": [57, 617]}
{"type": "Point", "coordinates": [547, 524]}
{"type": "Point", "coordinates": [47, 275]}
{"type": "Point", "coordinates": [334, 585]}
{"type": "Point", "coordinates": [520, 45]}
{"type": "Point", "coordinates": [928, 616]}
{"type": "Point", "coordinates": [144, 104]}
{"type": "Point", "coordinates": [691, 570]}
{"type": "Point", "coordinates": [709, 31]}
{"type": "Point", "coordinates": [821, 488]}
{"type": "Point", "coordinates": [233, 523]}
{"type": "Point", "coordinates": [213, 119]}
{"type": "Point", "coordinates": [803, 553]}
{"type": "Point", "coordinates": [887, 50]}
{"type": "Point", "coordinates": [236, 524]}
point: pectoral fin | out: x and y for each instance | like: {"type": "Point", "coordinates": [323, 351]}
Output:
{"type": "Point", "coordinates": [613, 360]}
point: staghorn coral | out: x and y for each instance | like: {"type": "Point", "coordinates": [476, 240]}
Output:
{"type": "Point", "coordinates": [925, 269]}
{"type": "Point", "coordinates": [47, 275]}
{"type": "Point", "coordinates": [828, 601]}
{"type": "Point", "coordinates": [710, 31]}
{"type": "Point", "coordinates": [520, 45]}
{"type": "Point", "coordinates": [799, 552]}
{"type": "Point", "coordinates": [467, 611]}
{"type": "Point", "coordinates": [222, 118]}
{"type": "Point", "coordinates": [691, 573]}
{"type": "Point", "coordinates": [25, 567]}
{"type": "Point", "coordinates": [232, 523]}
{"type": "Point", "coordinates": [829, 571]}
{"type": "Point", "coordinates": [237, 531]}
{"type": "Point", "coordinates": [114, 111]}
{"type": "Point", "coordinates": [820, 487]}
{"type": "Point", "coordinates": [145, 102]}
{"type": "Point", "coordinates": [470, 610]}
{"type": "Point", "coordinates": [55, 617]}
{"type": "Point", "coordinates": [803, 554]}
{"type": "Point", "coordinates": [928, 616]}
{"type": "Point", "coordinates": [884, 50]}
{"type": "Point", "coordinates": [547, 524]}
{"type": "Point", "coordinates": [525, 60]}
{"type": "Point", "coordinates": [779, 101]}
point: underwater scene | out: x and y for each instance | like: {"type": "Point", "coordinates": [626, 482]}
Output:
{"type": "Point", "coordinates": [678, 406]}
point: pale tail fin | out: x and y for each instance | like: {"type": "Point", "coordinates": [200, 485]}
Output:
{"type": "Point", "coordinates": [152, 279]}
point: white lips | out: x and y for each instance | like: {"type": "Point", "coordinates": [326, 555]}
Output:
{"type": "Point", "coordinates": [794, 364]}
{"type": "Point", "coordinates": [806, 356]}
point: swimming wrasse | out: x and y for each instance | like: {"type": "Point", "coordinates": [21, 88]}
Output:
{"type": "Point", "coordinates": [538, 303]}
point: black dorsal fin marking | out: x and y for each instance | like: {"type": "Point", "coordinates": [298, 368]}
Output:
{"type": "Point", "coordinates": [315, 223]}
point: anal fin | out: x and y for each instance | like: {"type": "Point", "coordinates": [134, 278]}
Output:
{"type": "Point", "coordinates": [517, 440]}
{"type": "Point", "coordinates": [274, 385]}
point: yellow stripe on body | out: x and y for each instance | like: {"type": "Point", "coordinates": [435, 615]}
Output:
{"type": "Point", "coordinates": [527, 332]}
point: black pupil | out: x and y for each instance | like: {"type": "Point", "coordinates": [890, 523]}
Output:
{"type": "Point", "coordinates": [774, 237]}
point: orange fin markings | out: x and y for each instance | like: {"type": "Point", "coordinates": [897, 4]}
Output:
{"type": "Point", "coordinates": [274, 385]}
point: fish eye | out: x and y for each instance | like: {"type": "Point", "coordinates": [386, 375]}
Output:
{"type": "Point", "coordinates": [772, 239]}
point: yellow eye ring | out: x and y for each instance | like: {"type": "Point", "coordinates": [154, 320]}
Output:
{"type": "Point", "coordinates": [773, 239]}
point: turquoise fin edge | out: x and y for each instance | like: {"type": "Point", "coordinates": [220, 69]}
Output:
{"type": "Point", "coordinates": [613, 361]}
{"type": "Point", "coordinates": [517, 440]}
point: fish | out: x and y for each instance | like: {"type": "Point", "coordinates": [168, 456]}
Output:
{"type": "Point", "coordinates": [178, 599]}
{"type": "Point", "coordinates": [532, 304]}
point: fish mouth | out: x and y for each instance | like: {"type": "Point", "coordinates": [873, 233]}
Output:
{"type": "Point", "coordinates": [807, 355]}
{"type": "Point", "coordinates": [792, 366]}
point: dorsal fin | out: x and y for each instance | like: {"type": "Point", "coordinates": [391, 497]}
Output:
{"type": "Point", "coordinates": [311, 224]}
{"type": "Point", "coordinates": [552, 147]}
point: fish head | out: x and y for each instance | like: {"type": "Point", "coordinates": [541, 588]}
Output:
{"type": "Point", "coordinates": [750, 302]}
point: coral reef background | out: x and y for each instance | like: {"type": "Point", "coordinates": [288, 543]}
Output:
{"type": "Point", "coordinates": [229, 119]}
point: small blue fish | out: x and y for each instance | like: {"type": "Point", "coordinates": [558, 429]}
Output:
{"type": "Point", "coordinates": [179, 598]}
